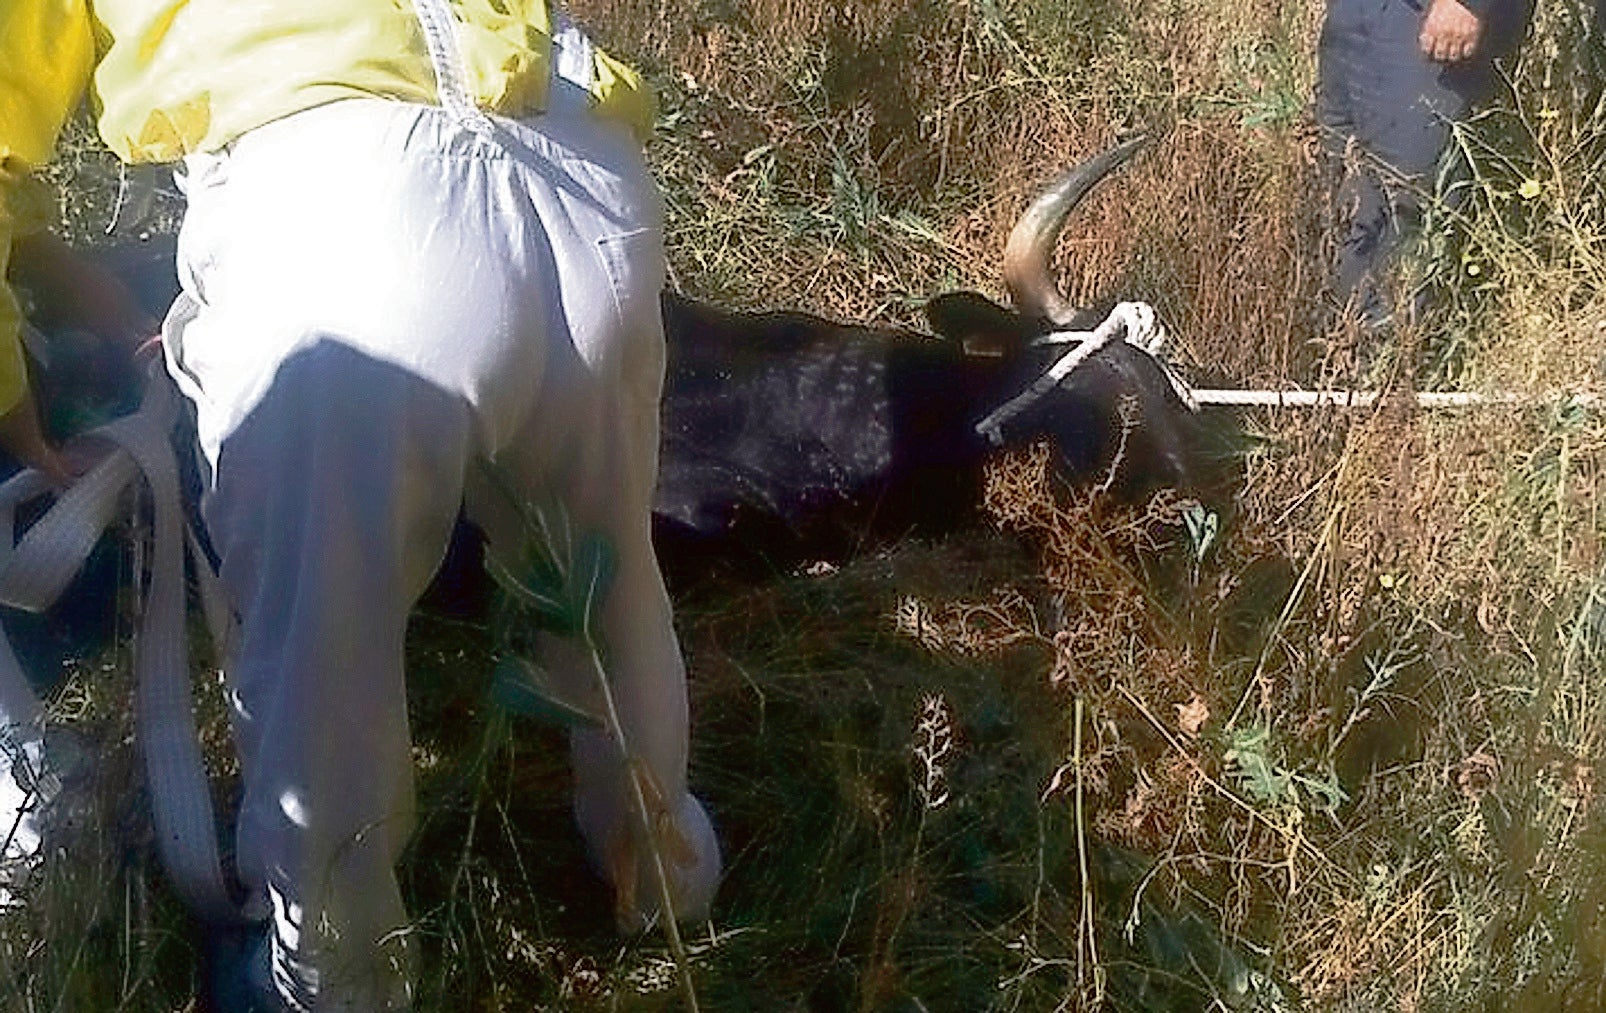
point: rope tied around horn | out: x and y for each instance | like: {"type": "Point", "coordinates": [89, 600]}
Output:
{"type": "Point", "coordinates": [1134, 322]}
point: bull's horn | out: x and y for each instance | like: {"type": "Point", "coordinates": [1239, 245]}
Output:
{"type": "Point", "coordinates": [1031, 241]}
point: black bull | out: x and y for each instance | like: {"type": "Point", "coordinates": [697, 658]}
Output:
{"type": "Point", "coordinates": [788, 437]}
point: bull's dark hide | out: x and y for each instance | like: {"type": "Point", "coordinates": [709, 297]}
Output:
{"type": "Point", "coordinates": [787, 436]}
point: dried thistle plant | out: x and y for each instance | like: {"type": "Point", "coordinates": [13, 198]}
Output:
{"type": "Point", "coordinates": [971, 629]}
{"type": "Point", "coordinates": [933, 746]}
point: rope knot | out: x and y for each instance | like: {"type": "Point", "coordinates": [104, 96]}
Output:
{"type": "Point", "coordinates": [1134, 322]}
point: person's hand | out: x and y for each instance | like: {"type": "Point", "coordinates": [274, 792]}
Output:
{"type": "Point", "coordinates": [23, 438]}
{"type": "Point", "coordinates": [1450, 32]}
{"type": "Point", "coordinates": [74, 292]}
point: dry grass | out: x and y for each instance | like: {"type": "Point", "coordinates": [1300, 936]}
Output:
{"type": "Point", "coordinates": [1388, 606]}
{"type": "Point", "coordinates": [1345, 756]}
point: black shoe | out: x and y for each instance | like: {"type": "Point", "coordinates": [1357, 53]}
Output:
{"type": "Point", "coordinates": [237, 973]}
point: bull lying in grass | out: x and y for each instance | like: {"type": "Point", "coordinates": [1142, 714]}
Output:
{"type": "Point", "coordinates": [788, 437]}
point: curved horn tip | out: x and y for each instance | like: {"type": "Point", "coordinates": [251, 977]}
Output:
{"type": "Point", "coordinates": [1031, 241]}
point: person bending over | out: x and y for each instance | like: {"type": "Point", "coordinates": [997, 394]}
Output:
{"type": "Point", "coordinates": [419, 238]}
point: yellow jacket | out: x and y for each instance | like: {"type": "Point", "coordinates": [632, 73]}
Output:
{"type": "Point", "coordinates": [171, 77]}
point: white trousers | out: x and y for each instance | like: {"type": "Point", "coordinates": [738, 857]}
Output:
{"type": "Point", "coordinates": [376, 297]}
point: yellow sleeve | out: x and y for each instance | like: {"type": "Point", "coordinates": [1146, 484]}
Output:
{"type": "Point", "coordinates": [47, 52]}
{"type": "Point", "coordinates": [621, 95]}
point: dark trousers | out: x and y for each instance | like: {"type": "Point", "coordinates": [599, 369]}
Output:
{"type": "Point", "coordinates": [1385, 111]}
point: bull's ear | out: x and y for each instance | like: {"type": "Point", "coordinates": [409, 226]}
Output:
{"type": "Point", "coordinates": [982, 326]}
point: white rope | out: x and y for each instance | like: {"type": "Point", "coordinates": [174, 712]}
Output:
{"type": "Point", "coordinates": [1137, 323]}
{"type": "Point", "coordinates": [1086, 343]}
{"type": "Point", "coordinates": [37, 567]}
{"type": "Point", "coordinates": [1363, 398]}
{"type": "Point", "coordinates": [1134, 321]}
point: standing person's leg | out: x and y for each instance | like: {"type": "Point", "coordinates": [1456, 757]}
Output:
{"type": "Point", "coordinates": [1357, 210]}
{"type": "Point", "coordinates": [1386, 112]}
{"type": "Point", "coordinates": [592, 444]}
{"type": "Point", "coordinates": [354, 331]}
